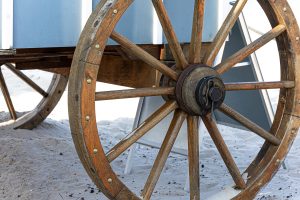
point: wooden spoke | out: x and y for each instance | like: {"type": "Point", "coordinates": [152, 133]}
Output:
{"type": "Point", "coordinates": [132, 93]}
{"type": "Point", "coordinates": [163, 153]}
{"type": "Point", "coordinates": [193, 151]}
{"type": "Point", "coordinates": [224, 151]}
{"type": "Point", "coordinates": [196, 39]}
{"type": "Point", "coordinates": [176, 49]}
{"type": "Point", "coordinates": [248, 50]}
{"type": "Point", "coordinates": [224, 31]}
{"type": "Point", "coordinates": [249, 124]}
{"type": "Point", "coordinates": [154, 119]}
{"type": "Point", "coordinates": [26, 80]}
{"type": "Point", "coordinates": [143, 55]}
{"type": "Point", "coordinates": [7, 98]}
{"type": "Point", "coordinates": [259, 86]}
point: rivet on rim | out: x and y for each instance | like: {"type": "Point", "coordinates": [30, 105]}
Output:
{"type": "Point", "coordinates": [109, 180]}
{"type": "Point", "coordinates": [95, 151]}
{"type": "Point", "coordinates": [115, 11]}
{"type": "Point", "coordinates": [89, 81]}
{"type": "Point", "coordinates": [284, 9]}
{"type": "Point", "coordinates": [87, 118]}
{"type": "Point", "coordinates": [97, 46]}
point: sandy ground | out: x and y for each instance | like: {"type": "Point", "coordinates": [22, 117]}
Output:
{"type": "Point", "coordinates": [43, 164]}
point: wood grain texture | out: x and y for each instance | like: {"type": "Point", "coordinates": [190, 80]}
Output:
{"type": "Point", "coordinates": [134, 93]}
{"type": "Point", "coordinates": [27, 80]}
{"type": "Point", "coordinates": [170, 34]}
{"type": "Point", "coordinates": [143, 55]}
{"type": "Point", "coordinates": [259, 85]}
{"type": "Point", "coordinates": [224, 151]}
{"type": "Point", "coordinates": [224, 31]}
{"type": "Point", "coordinates": [249, 124]}
{"type": "Point", "coordinates": [193, 156]}
{"type": "Point", "coordinates": [249, 49]}
{"type": "Point", "coordinates": [163, 153]}
{"type": "Point", "coordinates": [7, 98]}
{"type": "Point", "coordinates": [139, 132]}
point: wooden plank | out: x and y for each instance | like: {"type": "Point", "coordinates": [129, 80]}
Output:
{"type": "Point", "coordinates": [143, 55]}
{"type": "Point", "coordinates": [193, 156]}
{"type": "Point", "coordinates": [249, 124]}
{"type": "Point", "coordinates": [258, 85]}
{"type": "Point", "coordinates": [134, 93]}
{"type": "Point", "coordinates": [249, 49]}
{"type": "Point", "coordinates": [224, 31]}
{"type": "Point", "coordinates": [170, 34]}
{"type": "Point", "coordinates": [163, 153]}
{"type": "Point", "coordinates": [7, 98]}
{"type": "Point", "coordinates": [224, 151]}
{"type": "Point", "coordinates": [140, 131]}
{"type": "Point", "coordinates": [196, 39]}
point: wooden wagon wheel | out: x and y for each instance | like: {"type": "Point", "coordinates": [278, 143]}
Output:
{"type": "Point", "coordinates": [192, 88]}
{"type": "Point", "coordinates": [48, 98]}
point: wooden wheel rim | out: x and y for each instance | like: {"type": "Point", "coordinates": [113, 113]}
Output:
{"type": "Point", "coordinates": [82, 109]}
{"type": "Point", "coordinates": [34, 117]}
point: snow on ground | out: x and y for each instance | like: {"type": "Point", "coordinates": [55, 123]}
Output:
{"type": "Point", "coordinates": [43, 164]}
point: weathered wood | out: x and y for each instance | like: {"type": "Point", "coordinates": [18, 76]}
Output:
{"type": "Point", "coordinates": [34, 117]}
{"type": "Point", "coordinates": [129, 73]}
{"type": "Point", "coordinates": [170, 34]}
{"type": "Point", "coordinates": [224, 31]}
{"type": "Point", "coordinates": [7, 98]}
{"type": "Point", "coordinates": [134, 93]}
{"type": "Point", "coordinates": [139, 132]}
{"type": "Point", "coordinates": [163, 153]}
{"type": "Point", "coordinates": [249, 124]}
{"type": "Point", "coordinates": [27, 80]}
{"type": "Point", "coordinates": [166, 54]}
{"type": "Point", "coordinates": [39, 58]}
{"type": "Point", "coordinates": [193, 156]}
{"type": "Point", "coordinates": [258, 85]}
{"type": "Point", "coordinates": [143, 55]}
{"type": "Point", "coordinates": [224, 151]}
{"type": "Point", "coordinates": [196, 39]}
{"type": "Point", "coordinates": [249, 49]}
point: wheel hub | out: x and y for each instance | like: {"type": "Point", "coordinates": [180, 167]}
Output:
{"type": "Point", "coordinates": [199, 90]}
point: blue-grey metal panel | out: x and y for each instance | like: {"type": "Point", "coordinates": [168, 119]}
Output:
{"type": "Point", "coordinates": [157, 134]}
{"type": "Point", "coordinates": [95, 2]}
{"type": "Point", "coordinates": [140, 26]}
{"type": "Point", "coordinates": [46, 23]}
{"type": "Point", "coordinates": [181, 15]}
{"type": "Point", "coordinates": [249, 103]}
{"type": "Point", "coordinates": [137, 24]}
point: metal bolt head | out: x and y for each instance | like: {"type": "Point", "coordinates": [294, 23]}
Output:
{"type": "Point", "coordinates": [89, 81]}
{"type": "Point", "coordinates": [282, 100]}
{"type": "Point", "coordinates": [284, 9]}
{"type": "Point", "coordinates": [97, 46]}
{"type": "Point", "coordinates": [87, 118]}
{"type": "Point", "coordinates": [109, 180]}
{"type": "Point", "coordinates": [95, 151]}
{"type": "Point", "coordinates": [115, 11]}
